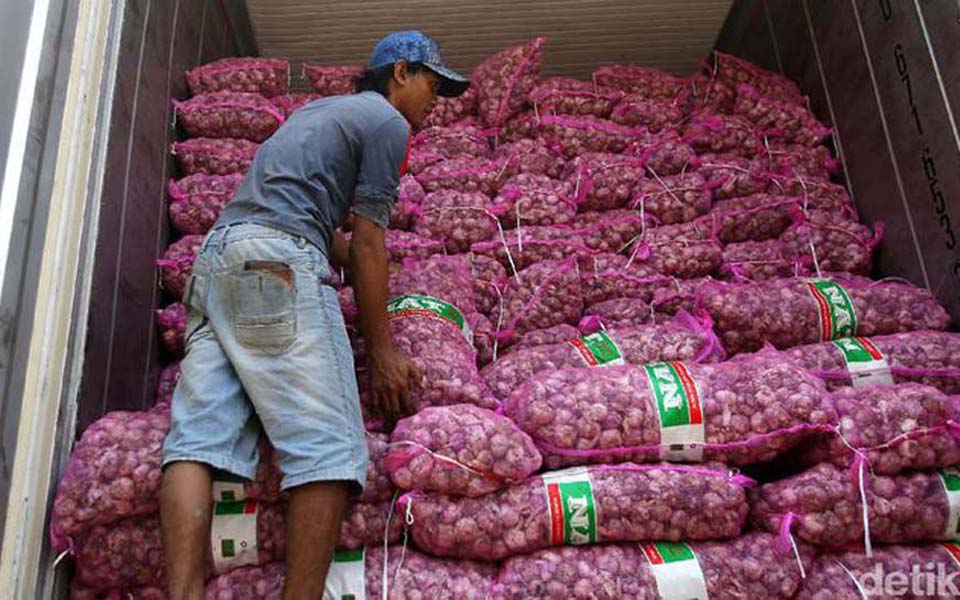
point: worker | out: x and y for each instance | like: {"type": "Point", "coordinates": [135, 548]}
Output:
{"type": "Point", "coordinates": [266, 342]}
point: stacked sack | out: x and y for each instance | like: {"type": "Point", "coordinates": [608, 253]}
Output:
{"type": "Point", "coordinates": [626, 294]}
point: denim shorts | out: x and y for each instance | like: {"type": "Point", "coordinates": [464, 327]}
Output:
{"type": "Point", "coordinates": [266, 344]}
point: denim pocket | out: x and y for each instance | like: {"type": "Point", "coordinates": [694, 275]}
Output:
{"type": "Point", "coordinates": [265, 301]}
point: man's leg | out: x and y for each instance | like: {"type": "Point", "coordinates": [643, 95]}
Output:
{"type": "Point", "coordinates": [185, 508]}
{"type": "Point", "coordinates": [314, 515]}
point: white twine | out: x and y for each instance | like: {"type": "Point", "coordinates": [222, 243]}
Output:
{"type": "Point", "coordinates": [867, 544]}
{"type": "Point", "coordinates": [437, 456]}
{"type": "Point", "coordinates": [816, 261]}
{"type": "Point", "coordinates": [665, 187]}
{"type": "Point", "coordinates": [60, 557]}
{"type": "Point", "coordinates": [408, 520]}
{"type": "Point", "coordinates": [796, 553]}
{"type": "Point", "coordinates": [863, 594]}
{"type": "Point", "coordinates": [386, 545]}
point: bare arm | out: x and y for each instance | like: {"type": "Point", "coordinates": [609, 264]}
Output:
{"type": "Point", "coordinates": [391, 373]}
{"type": "Point", "coordinates": [339, 251]}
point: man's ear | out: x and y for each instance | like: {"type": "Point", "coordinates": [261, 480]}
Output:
{"type": "Point", "coordinates": [400, 74]}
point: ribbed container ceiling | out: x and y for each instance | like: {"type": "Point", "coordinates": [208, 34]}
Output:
{"type": "Point", "coordinates": [583, 34]}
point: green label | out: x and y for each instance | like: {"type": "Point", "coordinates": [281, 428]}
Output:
{"type": "Point", "coordinates": [425, 306]}
{"type": "Point", "coordinates": [346, 579]}
{"type": "Point", "coordinates": [233, 534]}
{"type": "Point", "coordinates": [950, 477]}
{"type": "Point", "coordinates": [348, 555]}
{"type": "Point", "coordinates": [668, 552]}
{"type": "Point", "coordinates": [598, 350]}
{"type": "Point", "coordinates": [572, 507]}
{"type": "Point", "coordinates": [676, 570]}
{"type": "Point", "coordinates": [838, 317]}
{"type": "Point", "coordinates": [677, 399]}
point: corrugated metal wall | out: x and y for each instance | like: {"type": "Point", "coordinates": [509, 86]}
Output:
{"type": "Point", "coordinates": [887, 75]}
{"type": "Point", "coordinates": [161, 39]}
{"type": "Point", "coordinates": [583, 34]}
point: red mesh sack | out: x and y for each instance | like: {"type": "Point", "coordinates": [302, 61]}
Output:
{"type": "Point", "coordinates": [332, 80]}
{"type": "Point", "coordinates": [605, 181]}
{"type": "Point", "coordinates": [229, 115]}
{"type": "Point", "coordinates": [551, 100]}
{"type": "Point", "coordinates": [532, 156]}
{"type": "Point", "coordinates": [779, 119]}
{"type": "Point", "coordinates": [528, 199]}
{"type": "Point", "coordinates": [447, 111]}
{"type": "Point", "coordinates": [645, 82]}
{"type": "Point", "coordinates": [656, 115]}
{"type": "Point", "coordinates": [196, 200]}
{"type": "Point", "coordinates": [290, 103]}
{"type": "Point", "coordinates": [576, 135]}
{"type": "Point", "coordinates": [176, 266]}
{"type": "Point", "coordinates": [268, 77]}
{"type": "Point", "coordinates": [673, 199]}
{"type": "Point", "coordinates": [505, 80]}
{"type": "Point", "coordinates": [214, 156]}
{"type": "Point", "coordinates": [172, 322]}
{"type": "Point", "coordinates": [722, 134]}
{"type": "Point", "coordinates": [757, 261]}
{"type": "Point", "coordinates": [732, 176]}
{"type": "Point", "coordinates": [458, 219]}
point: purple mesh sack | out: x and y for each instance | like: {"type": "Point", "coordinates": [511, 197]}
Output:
{"type": "Point", "coordinates": [172, 322]}
{"type": "Point", "coordinates": [753, 218]}
{"type": "Point", "coordinates": [928, 357]}
{"type": "Point", "coordinates": [548, 99]}
{"type": "Point", "coordinates": [505, 80]}
{"type": "Point", "coordinates": [710, 95]}
{"type": "Point", "coordinates": [604, 181]}
{"type": "Point", "coordinates": [166, 383]}
{"type": "Point", "coordinates": [740, 413]}
{"type": "Point", "coordinates": [800, 161]}
{"type": "Point", "coordinates": [732, 176]}
{"type": "Point", "coordinates": [607, 276]}
{"type": "Point", "coordinates": [332, 80]}
{"type": "Point", "coordinates": [452, 141]}
{"type": "Point", "coordinates": [214, 157]}
{"type": "Point", "coordinates": [268, 77]}
{"type": "Point", "coordinates": [447, 111]}
{"type": "Point", "coordinates": [458, 219]}
{"type": "Point", "coordinates": [815, 194]}
{"type": "Point", "coordinates": [176, 266]}
{"type": "Point", "coordinates": [524, 125]}
{"type": "Point", "coordinates": [793, 312]}
{"type": "Point", "coordinates": [129, 553]}
{"type": "Point", "coordinates": [832, 244]}
{"type": "Point", "coordinates": [544, 294]}
{"type": "Point", "coordinates": [524, 246]}
{"type": "Point", "coordinates": [628, 502]}
{"type": "Point", "coordinates": [747, 567]}
{"type": "Point", "coordinates": [758, 261]}
{"type": "Point", "coordinates": [673, 199]}
{"type": "Point", "coordinates": [612, 230]}
{"type": "Point", "coordinates": [684, 250]}
{"type": "Point", "coordinates": [290, 103]}
{"type": "Point", "coordinates": [828, 506]}
{"type": "Point", "coordinates": [528, 199]}
{"type": "Point", "coordinates": [665, 154]}
{"type": "Point", "coordinates": [532, 156]}
{"type": "Point", "coordinates": [656, 115]}
{"type": "Point", "coordinates": [722, 134]}
{"type": "Point", "coordinates": [462, 450]}
{"type": "Point", "coordinates": [780, 119]}
{"type": "Point", "coordinates": [735, 71]}
{"type": "Point", "coordinates": [408, 575]}
{"type": "Point", "coordinates": [682, 338]}
{"type": "Point", "coordinates": [853, 575]}
{"type": "Point", "coordinates": [894, 428]}
{"type": "Point", "coordinates": [489, 281]}
{"type": "Point", "coordinates": [466, 175]}
{"type": "Point", "coordinates": [644, 82]}
{"type": "Point", "coordinates": [410, 196]}
{"type": "Point", "coordinates": [574, 136]}
{"type": "Point", "coordinates": [404, 245]}
{"type": "Point", "coordinates": [229, 115]}
{"type": "Point", "coordinates": [196, 200]}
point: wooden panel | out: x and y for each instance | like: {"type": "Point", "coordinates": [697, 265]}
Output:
{"type": "Point", "coordinates": [161, 39]}
{"type": "Point", "coordinates": [583, 33]}
{"type": "Point", "coordinates": [746, 33]}
{"type": "Point", "coordinates": [890, 73]}
{"type": "Point", "coordinates": [924, 142]}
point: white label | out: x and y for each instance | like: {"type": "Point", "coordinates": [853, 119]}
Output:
{"type": "Point", "coordinates": [228, 491]}
{"type": "Point", "coordinates": [233, 535]}
{"type": "Point", "coordinates": [346, 579]}
{"type": "Point", "coordinates": [950, 477]}
{"type": "Point", "coordinates": [865, 363]}
{"type": "Point", "coordinates": [679, 408]}
{"type": "Point", "coordinates": [677, 571]}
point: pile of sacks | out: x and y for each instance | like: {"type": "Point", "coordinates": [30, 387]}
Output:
{"type": "Point", "coordinates": [626, 295]}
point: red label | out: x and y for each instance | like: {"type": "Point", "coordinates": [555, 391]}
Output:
{"type": "Point", "coordinates": [954, 550]}
{"type": "Point", "coordinates": [653, 555]}
{"type": "Point", "coordinates": [406, 156]}
{"type": "Point", "coordinates": [690, 389]}
{"type": "Point", "coordinates": [870, 348]}
{"type": "Point", "coordinates": [582, 349]}
{"type": "Point", "coordinates": [826, 324]}
{"type": "Point", "coordinates": [556, 513]}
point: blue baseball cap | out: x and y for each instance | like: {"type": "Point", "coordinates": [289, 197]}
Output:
{"type": "Point", "coordinates": [417, 47]}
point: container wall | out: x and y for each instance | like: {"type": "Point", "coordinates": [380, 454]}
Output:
{"type": "Point", "coordinates": [161, 39]}
{"type": "Point", "coordinates": [887, 76]}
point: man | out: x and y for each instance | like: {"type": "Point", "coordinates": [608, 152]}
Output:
{"type": "Point", "coordinates": [265, 339]}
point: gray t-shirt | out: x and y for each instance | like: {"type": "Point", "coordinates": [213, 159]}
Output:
{"type": "Point", "coordinates": [333, 156]}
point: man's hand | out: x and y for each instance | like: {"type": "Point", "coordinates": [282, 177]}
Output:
{"type": "Point", "coordinates": [391, 373]}
{"type": "Point", "coordinates": [392, 376]}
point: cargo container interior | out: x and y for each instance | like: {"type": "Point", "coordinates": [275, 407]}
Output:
{"type": "Point", "coordinates": [883, 74]}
